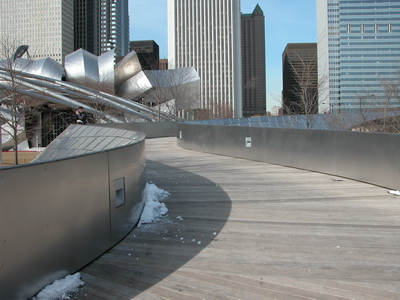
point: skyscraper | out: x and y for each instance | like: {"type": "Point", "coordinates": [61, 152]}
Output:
{"type": "Point", "coordinates": [46, 26]}
{"type": "Point", "coordinates": [253, 63]}
{"type": "Point", "coordinates": [148, 53]}
{"type": "Point", "coordinates": [206, 35]}
{"type": "Point", "coordinates": [102, 25]}
{"type": "Point", "coordinates": [358, 53]}
{"type": "Point", "coordinates": [300, 78]}
{"type": "Point", "coordinates": [56, 28]}
{"type": "Point", "coordinates": [87, 26]}
{"type": "Point", "coordinates": [114, 31]}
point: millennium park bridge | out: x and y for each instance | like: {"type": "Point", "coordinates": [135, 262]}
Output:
{"type": "Point", "coordinates": [257, 210]}
{"type": "Point", "coordinates": [254, 213]}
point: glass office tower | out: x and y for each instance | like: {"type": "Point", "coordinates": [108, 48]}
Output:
{"type": "Point", "coordinates": [101, 26]}
{"type": "Point", "coordinates": [114, 29]}
{"type": "Point", "coordinates": [358, 53]}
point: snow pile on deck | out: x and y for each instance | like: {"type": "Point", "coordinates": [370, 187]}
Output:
{"type": "Point", "coordinates": [60, 289]}
{"type": "Point", "coordinates": [153, 209]}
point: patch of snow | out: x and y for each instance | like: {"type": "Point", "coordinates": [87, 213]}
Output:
{"type": "Point", "coordinates": [60, 289]}
{"type": "Point", "coordinates": [397, 193]}
{"type": "Point", "coordinates": [35, 149]}
{"type": "Point", "coordinates": [153, 209]}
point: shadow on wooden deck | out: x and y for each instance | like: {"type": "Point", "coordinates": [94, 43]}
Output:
{"type": "Point", "coordinates": [198, 210]}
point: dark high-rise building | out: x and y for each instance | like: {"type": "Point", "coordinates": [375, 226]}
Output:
{"type": "Point", "coordinates": [300, 78]}
{"type": "Point", "coordinates": [148, 53]}
{"type": "Point", "coordinates": [87, 26]}
{"type": "Point", "coordinates": [163, 64]}
{"type": "Point", "coordinates": [253, 63]}
{"type": "Point", "coordinates": [101, 26]}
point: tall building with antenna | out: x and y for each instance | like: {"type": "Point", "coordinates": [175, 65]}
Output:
{"type": "Point", "coordinates": [253, 63]}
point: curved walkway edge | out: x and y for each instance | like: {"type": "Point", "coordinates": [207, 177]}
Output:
{"type": "Point", "coordinates": [240, 229]}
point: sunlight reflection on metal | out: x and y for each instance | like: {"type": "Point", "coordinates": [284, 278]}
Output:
{"type": "Point", "coordinates": [91, 80]}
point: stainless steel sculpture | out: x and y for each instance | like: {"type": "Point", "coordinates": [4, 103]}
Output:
{"type": "Point", "coordinates": [128, 67]}
{"type": "Point", "coordinates": [106, 72]}
{"type": "Point", "coordinates": [81, 67]}
{"type": "Point", "coordinates": [180, 85]}
{"type": "Point", "coordinates": [46, 67]}
{"type": "Point", "coordinates": [135, 86]}
{"type": "Point", "coordinates": [92, 82]}
{"type": "Point", "coordinates": [85, 68]}
{"type": "Point", "coordinates": [159, 86]}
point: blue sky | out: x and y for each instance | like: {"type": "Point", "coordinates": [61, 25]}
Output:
{"type": "Point", "coordinates": [286, 21]}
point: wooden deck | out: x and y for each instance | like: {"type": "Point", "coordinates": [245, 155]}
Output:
{"type": "Point", "coordinates": [241, 229]}
{"type": "Point", "coordinates": [23, 157]}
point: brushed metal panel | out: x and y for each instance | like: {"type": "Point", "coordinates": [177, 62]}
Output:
{"type": "Point", "coordinates": [106, 72]}
{"type": "Point", "coordinates": [57, 216]}
{"type": "Point", "coordinates": [151, 129]}
{"type": "Point", "coordinates": [46, 67]}
{"type": "Point", "coordinates": [135, 86]}
{"type": "Point", "coordinates": [368, 157]}
{"type": "Point", "coordinates": [182, 85]}
{"type": "Point", "coordinates": [77, 139]}
{"type": "Point", "coordinates": [128, 67]}
{"type": "Point", "coordinates": [54, 219]}
{"type": "Point", "coordinates": [128, 163]}
{"type": "Point", "coordinates": [81, 67]}
{"type": "Point", "coordinates": [200, 138]}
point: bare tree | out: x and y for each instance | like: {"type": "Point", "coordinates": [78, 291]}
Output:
{"type": "Point", "coordinates": [17, 109]}
{"type": "Point", "coordinates": [378, 110]}
{"type": "Point", "coordinates": [174, 92]}
{"type": "Point", "coordinates": [378, 113]}
{"type": "Point", "coordinates": [54, 120]}
{"type": "Point", "coordinates": [305, 85]}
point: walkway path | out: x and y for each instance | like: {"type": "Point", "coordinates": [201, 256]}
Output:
{"type": "Point", "coordinates": [23, 157]}
{"type": "Point", "coordinates": [241, 229]}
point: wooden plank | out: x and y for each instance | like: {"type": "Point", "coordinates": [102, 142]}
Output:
{"type": "Point", "coordinates": [239, 229]}
{"type": "Point", "coordinates": [23, 157]}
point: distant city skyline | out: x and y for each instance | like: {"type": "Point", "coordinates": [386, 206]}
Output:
{"type": "Point", "coordinates": [286, 21]}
